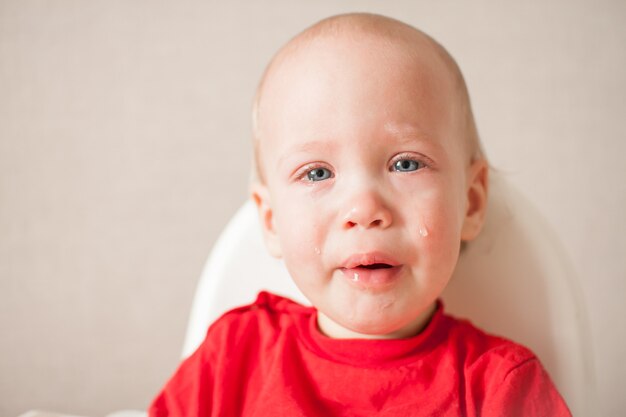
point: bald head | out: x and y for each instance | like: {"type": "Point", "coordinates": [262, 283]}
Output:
{"type": "Point", "coordinates": [387, 36]}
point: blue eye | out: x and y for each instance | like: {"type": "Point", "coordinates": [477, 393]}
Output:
{"type": "Point", "coordinates": [407, 165]}
{"type": "Point", "coordinates": [318, 174]}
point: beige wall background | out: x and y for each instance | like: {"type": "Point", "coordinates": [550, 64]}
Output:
{"type": "Point", "coordinates": [124, 149]}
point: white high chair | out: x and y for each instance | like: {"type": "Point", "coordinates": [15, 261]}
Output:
{"type": "Point", "coordinates": [515, 280]}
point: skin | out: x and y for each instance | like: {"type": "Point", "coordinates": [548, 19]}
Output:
{"type": "Point", "coordinates": [380, 121]}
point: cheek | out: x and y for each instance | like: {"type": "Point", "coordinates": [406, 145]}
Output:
{"type": "Point", "coordinates": [437, 222]}
{"type": "Point", "coordinates": [441, 217]}
{"type": "Point", "coordinates": [301, 232]}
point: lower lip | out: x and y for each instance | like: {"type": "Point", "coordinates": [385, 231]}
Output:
{"type": "Point", "coordinates": [372, 279]}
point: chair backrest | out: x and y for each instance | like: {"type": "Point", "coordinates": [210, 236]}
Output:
{"type": "Point", "coordinates": [515, 280]}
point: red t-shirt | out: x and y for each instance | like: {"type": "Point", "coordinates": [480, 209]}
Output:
{"type": "Point", "coordinates": [270, 359]}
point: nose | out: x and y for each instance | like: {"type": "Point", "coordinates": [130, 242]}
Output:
{"type": "Point", "coordinates": [367, 210]}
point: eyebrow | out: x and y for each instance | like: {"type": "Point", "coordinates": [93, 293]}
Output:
{"type": "Point", "coordinates": [406, 133]}
{"type": "Point", "coordinates": [311, 146]}
{"type": "Point", "coordinates": [402, 134]}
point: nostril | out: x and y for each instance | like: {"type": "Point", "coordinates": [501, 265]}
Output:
{"type": "Point", "coordinates": [368, 216]}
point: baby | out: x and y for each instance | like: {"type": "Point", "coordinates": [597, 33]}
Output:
{"type": "Point", "coordinates": [369, 177]}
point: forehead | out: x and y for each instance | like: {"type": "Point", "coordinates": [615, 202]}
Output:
{"type": "Point", "coordinates": [350, 86]}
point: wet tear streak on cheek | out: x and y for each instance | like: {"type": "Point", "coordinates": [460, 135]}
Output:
{"type": "Point", "coordinates": [423, 230]}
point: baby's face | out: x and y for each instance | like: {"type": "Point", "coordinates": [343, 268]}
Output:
{"type": "Point", "coordinates": [368, 183]}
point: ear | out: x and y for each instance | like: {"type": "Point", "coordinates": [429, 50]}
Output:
{"type": "Point", "coordinates": [477, 189]}
{"type": "Point", "coordinates": [260, 195]}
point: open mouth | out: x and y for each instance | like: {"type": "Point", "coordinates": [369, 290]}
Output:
{"type": "Point", "coordinates": [370, 261]}
{"type": "Point", "coordinates": [376, 266]}
{"type": "Point", "coordinates": [372, 276]}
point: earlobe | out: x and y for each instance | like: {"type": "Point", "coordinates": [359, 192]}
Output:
{"type": "Point", "coordinates": [260, 196]}
{"type": "Point", "coordinates": [477, 190]}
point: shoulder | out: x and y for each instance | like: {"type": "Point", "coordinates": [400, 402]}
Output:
{"type": "Point", "coordinates": [266, 306]}
{"type": "Point", "coordinates": [503, 377]}
{"type": "Point", "coordinates": [485, 352]}
{"type": "Point", "coordinates": [265, 318]}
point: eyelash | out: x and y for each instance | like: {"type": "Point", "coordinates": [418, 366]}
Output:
{"type": "Point", "coordinates": [302, 173]}
{"type": "Point", "coordinates": [422, 161]}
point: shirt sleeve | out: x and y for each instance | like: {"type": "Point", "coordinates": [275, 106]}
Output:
{"type": "Point", "coordinates": [528, 391]}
